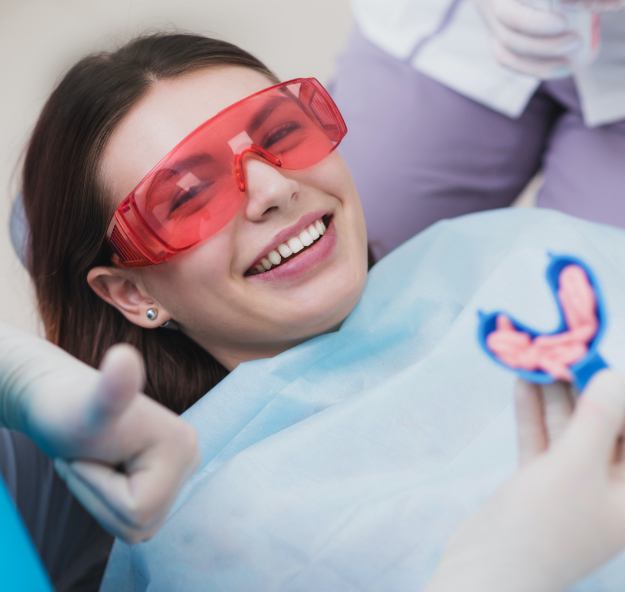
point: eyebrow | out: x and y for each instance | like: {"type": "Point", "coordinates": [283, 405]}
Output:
{"type": "Point", "coordinates": [193, 160]}
{"type": "Point", "coordinates": [260, 117]}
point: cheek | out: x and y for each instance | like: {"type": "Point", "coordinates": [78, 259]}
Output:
{"type": "Point", "coordinates": [332, 176]}
{"type": "Point", "coordinates": [193, 278]}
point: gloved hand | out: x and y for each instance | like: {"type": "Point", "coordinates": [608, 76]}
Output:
{"type": "Point", "coordinates": [563, 513]}
{"type": "Point", "coordinates": [530, 40]}
{"type": "Point", "coordinates": [122, 455]}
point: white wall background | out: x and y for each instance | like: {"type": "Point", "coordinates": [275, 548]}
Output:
{"type": "Point", "coordinates": [40, 39]}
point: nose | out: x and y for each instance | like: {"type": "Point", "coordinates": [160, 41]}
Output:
{"type": "Point", "coordinates": [267, 188]}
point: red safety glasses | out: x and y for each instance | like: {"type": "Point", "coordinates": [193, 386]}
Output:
{"type": "Point", "coordinates": [200, 185]}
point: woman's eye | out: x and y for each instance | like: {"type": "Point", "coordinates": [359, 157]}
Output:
{"type": "Point", "coordinates": [185, 196]}
{"type": "Point", "coordinates": [280, 133]}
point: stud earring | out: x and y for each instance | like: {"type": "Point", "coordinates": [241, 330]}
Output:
{"type": "Point", "coordinates": [151, 313]}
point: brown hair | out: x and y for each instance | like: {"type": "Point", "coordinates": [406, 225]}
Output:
{"type": "Point", "coordinates": [68, 214]}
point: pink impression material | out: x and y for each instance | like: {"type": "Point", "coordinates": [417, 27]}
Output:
{"type": "Point", "coordinates": [552, 353]}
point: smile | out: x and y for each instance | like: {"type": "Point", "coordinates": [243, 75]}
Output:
{"type": "Point", "coordinates": [292, 247]}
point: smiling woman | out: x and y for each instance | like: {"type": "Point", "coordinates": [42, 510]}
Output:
{"type": "Point", "coordinates": [69, 198]}
{"type": "Point", "coordinates": [265, 195]}
{"type": "Point", "coordinates": [121, 113]}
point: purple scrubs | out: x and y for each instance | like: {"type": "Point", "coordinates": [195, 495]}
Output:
{"type": "Point", "coordinates": [420, 152]}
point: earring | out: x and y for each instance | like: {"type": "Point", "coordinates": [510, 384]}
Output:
{"type": "Point", "coordinates": [151, 313]}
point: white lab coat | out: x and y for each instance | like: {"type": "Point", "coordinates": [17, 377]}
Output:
{"type": "Point", "coordinates": [460, 55]}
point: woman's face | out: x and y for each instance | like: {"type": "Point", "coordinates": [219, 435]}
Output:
{"type": "Point", "coordinates": [211, 291]}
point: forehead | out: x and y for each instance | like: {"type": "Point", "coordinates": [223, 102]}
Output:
{"type": "Point", "coordinates": [170, 110]}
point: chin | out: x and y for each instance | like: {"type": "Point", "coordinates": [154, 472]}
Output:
{"type": "Point", "coordinates": [330, 317]}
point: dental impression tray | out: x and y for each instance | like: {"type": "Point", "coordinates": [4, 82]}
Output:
{"type": "Point", "coordinates": [570, 352]}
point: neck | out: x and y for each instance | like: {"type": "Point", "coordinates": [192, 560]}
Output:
{"type": "Point", "coordinates": [232, 354]}
{"type": "Point", "coordinates": [230, 358]}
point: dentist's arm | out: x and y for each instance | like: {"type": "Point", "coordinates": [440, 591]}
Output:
{"type": "Point", "coordinates": [121, 454]}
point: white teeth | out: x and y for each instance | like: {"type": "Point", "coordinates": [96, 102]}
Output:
{"type": "Point", "coordinates": [295, 244]}
{"type": "Point", "coordinates": [274, 257]}
{"type": "Point", "coordinates": [305, 237]}
{"type": "Point", "coordinates": [313, 232]}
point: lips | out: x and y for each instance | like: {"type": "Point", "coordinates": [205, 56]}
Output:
{"type": "Point", "coordinates": [291, 242]}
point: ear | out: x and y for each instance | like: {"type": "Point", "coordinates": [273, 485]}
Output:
{"type": "Point", "coordinates": [123, 292]}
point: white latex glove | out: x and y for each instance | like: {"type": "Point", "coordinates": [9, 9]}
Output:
{"type": "Point", "coordinates": [563, 514]}
{"type": "Point", "coordinates": [530, 40]}
{"type": "Point", "coordinates": [125, 455]}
